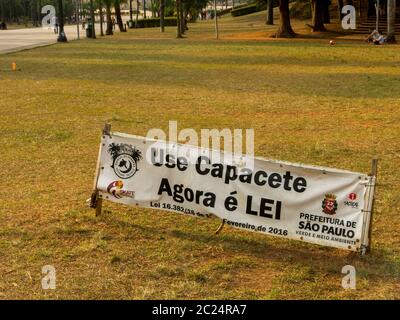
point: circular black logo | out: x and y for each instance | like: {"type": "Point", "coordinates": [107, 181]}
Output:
{"type": "Point", "coordinates": [124, 159]}
{"type": "Point", "coordinates": [124, 166]}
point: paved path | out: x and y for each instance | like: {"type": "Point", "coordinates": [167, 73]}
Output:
{"type": "Point", "coordinates": [20, 39]}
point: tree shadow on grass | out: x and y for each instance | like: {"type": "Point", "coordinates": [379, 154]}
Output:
{"type": "Point", "coordinates": [379, 265]}
{"type": "Point", "coordinates": [180, 74]}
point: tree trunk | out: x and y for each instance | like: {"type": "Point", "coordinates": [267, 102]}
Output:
{"type": "Point", "coordinates": [93, 19]}
{"type": "Point", "coordinates": [318, 15]}
{"type": "Point", "coordinates": [327, 16]}
{"type": "Point", "coordinates": [270, 12]}
{"type": "Point", "coordinates": [3, 13]}
{"type": "Point", "coordinates": [117, 7]}
{"type": "Point", "coordinates": [182, 18]}
{"type": "Point", "coordinates": [216, 20]}
{"type": "Point", "coordinates": [391, 21]}
{"type": "Point", "coordinates": [109, 30]}
{"type": "Point", "coordinates": [130, 10]}
{"type": "Point", "coordinates": [137, 13]}
{"type": "Point", "coordinates": [39, 11]}
{"type": "Point", "coordinates": [101, 18]}
{"type": "Point", "coordinates": [162, 7]}
{"type": "Point", "coordinates": [363, 9]}
{"type": "Point", "coordinates": [34, 17]}
{"type": "Point", "coordinates": [178, 18]}
{"type": "Point", "coordinates": [340, 6]}
{"type": "Point", "coordinates": [61, 35]}
{"type": "Point", "coordinates": [144, 9]}
{"type": "Point", "coordinates": [285, 29]}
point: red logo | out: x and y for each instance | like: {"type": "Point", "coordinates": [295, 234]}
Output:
{"type": "Point", "coordinates": [352, 196]}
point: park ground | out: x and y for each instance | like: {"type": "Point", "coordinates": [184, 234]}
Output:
{"type": "Point", "coordinates": [308, 102]}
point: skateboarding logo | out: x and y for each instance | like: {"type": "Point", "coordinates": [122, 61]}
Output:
{"type": "Point", "coordinates": [115, 188]}
{"type": "Point", "coordinates": [125, 159]}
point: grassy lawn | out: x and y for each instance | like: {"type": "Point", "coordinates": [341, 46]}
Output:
{"type": "Point", "coordinates": [307, 101]}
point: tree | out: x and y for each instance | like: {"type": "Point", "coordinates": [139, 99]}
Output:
{"type": "Point", "coordinates": [101, 17]}
{"type": "Point", "coordinates": [109, 29]}
{"type": "Point", "coordinates": [34, 15]}
{"type": "Point", "coordinates": [391, 21]}
{"type": "Point", "coordinates": [270, 12]}
{"type": "Point", "coordinates": [137, 13]}
{"type": "Point", "coordinates": [178, 19]}
{"type": "Point", "coordinates": [153, 14]}
{"type": "Point", "coordinates": [61, 34]}
{"type": "Point", "coordinates": [93, 20]}
{"type": "Point", "coordinates": [318, 15]}
{"type": "Point", "coordinates": [216, 20]}
{"type": "Point", "coordinates": [327, 15]}
{"type": "Point", "coordinates": [162, 13]}
{"type": "Point", "coordinates": [193, 8]}
{"type": "Point", "coordinates": [340, 6]}
{"type": "Point", "coordinates": [117, 7]}
{"type": "Point", "coordinates": [285, 29]}
{"type": "Point", "coordinates": [3, 12]}
{"type": "Point", "coordinates": [182, 18]}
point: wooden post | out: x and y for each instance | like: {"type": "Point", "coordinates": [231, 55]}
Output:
{"type": "Point", "coordinates": [99, 205]}
{"type": "Point", "coordinates": [95, 201]}
{"type": "Point", "coordinates": [107, 130]}
{"type": "Point", "coordinates": [374, 173]}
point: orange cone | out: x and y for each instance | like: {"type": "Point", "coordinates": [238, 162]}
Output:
{"type": "Point", "coordinates": [14, 66]}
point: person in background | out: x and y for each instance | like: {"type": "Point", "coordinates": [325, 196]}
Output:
{"type": "Point", "coordinates": [376, 38]}
{"type": "Point", "coordinates": [56, 26]}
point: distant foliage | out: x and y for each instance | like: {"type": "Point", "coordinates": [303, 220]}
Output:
{"type": "Point", "coordinates": [224, 11]}
{"type": "Point", "coordinates": [251, 8]}
{"type": "Point", "coordinates": [193, 7]}
{"type": "Point", "coordinates": [155, 22]}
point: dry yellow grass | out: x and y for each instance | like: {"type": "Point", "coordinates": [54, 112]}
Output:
{"type": "Point", "coordinates": [307, 101]}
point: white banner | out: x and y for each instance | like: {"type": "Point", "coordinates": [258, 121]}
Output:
{"type": "Point", "coordinates": [308, 203]}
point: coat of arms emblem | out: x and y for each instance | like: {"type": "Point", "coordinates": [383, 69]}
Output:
{"type": "Point", "coordinates": [329, 204]}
